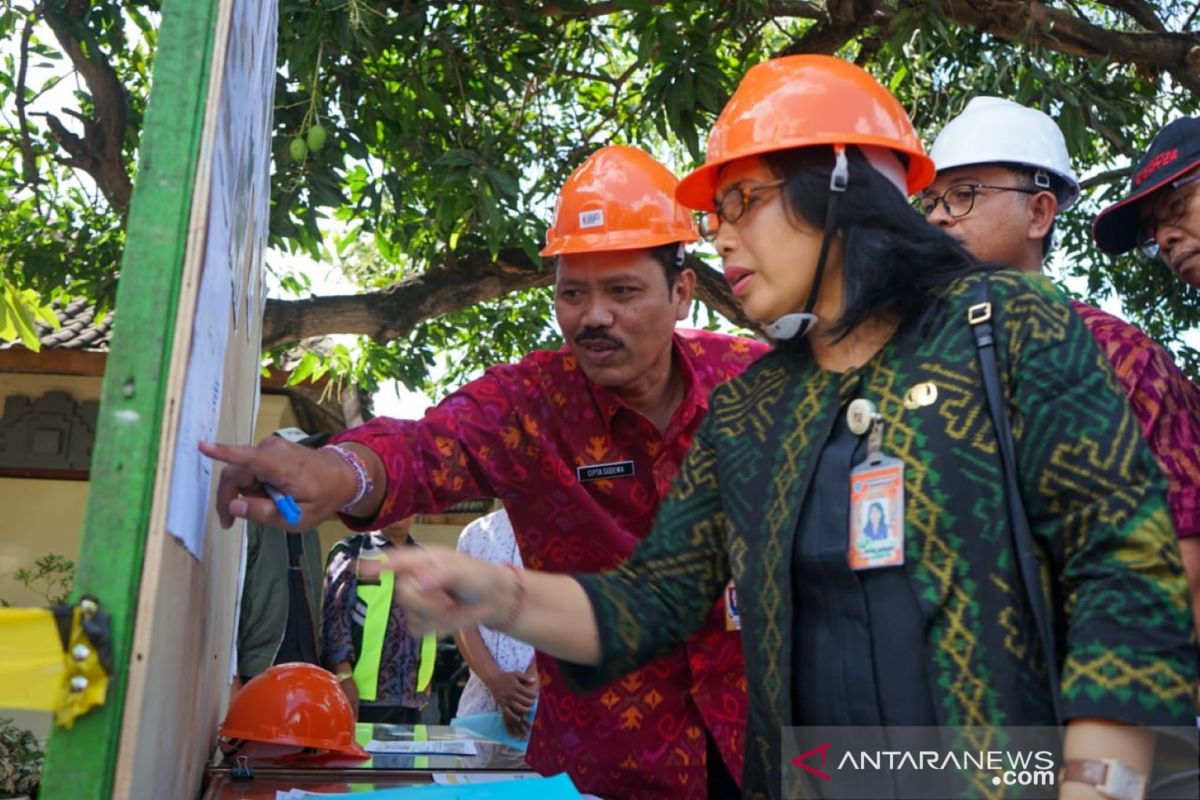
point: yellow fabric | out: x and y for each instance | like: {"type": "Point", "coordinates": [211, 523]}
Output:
{"type": "Point", "coordinates": [420, 734]}
{"type": "Point", "coordinates": [31, 659]}
{"type": "Point", "coordinates": [72, 705]}
{"type": "Point", "coordinates": [378, 599]}
{"type": "Point", "coordinates": [428, 659]}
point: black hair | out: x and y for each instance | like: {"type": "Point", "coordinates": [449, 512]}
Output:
{"type": "Point", "coordinates": [894, 263]}
{"type": "Point", "coordinates": [668, 255]}
{"type": "Point", "coordinates": [1026, 176]}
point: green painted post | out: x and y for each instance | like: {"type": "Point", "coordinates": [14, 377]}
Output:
{"type": "Point", "coordinates": [82, 760]}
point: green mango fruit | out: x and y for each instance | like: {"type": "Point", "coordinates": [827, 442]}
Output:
{"type": "Point", "coordinates": [316, 138]}
{"type": "Point", "coordinates": [297, 149]}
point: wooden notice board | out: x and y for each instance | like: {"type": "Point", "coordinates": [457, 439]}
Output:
{"type": "Point", "coordinates": [184, 363]}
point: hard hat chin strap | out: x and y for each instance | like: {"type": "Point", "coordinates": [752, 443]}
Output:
{"type": "Point", "coordinates": [792, 325]}
{"type": "Point", "coordinates": [789, 326]}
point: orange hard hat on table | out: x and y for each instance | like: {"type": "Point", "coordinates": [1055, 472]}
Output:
{"type": "Point", "coordinates": [618, 199]}
{"type": "Point", "coordinates": [294, 704]}
{"type": "Point", "coordinates": [806, 101]}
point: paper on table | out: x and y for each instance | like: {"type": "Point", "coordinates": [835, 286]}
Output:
{"type": "Point", "coordinates": [448, 747]}
{"type": "Point", "coordinates": [466, 778]}
{"type": "Point", "coordinates": [557, 788]}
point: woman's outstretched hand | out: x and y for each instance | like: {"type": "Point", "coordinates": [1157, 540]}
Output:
{"type": "Point", "coordinates": [443, 590]}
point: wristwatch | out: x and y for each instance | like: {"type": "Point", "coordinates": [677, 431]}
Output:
{"type": "Point", "coordinates": [1112, 778]}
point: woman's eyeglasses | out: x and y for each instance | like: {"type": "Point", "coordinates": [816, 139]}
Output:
{"type": "Point", "coordinates": [732, 206]}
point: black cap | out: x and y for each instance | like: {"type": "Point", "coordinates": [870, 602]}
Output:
{"type": "Point", "coordinates": [1174, 151]}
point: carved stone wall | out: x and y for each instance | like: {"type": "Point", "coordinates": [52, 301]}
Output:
{"type": "Point", "coordinates": [52, 432]}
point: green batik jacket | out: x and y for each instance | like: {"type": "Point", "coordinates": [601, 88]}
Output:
{"type": "Point", "coordinates": [1094, 496]}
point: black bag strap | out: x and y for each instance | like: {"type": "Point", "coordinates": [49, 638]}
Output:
{"type": "Point", "coordinates": [979, 316]}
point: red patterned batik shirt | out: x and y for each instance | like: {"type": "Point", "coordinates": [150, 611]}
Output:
{"type": "Point", "coordinates": [1166, 404]}
{"type": "Point", "coordinates": [581, 475]}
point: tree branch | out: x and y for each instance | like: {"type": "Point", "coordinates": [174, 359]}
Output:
{"type": "Point", "coordinates": [1140, 12]}
{"type": "Point", "coordinates": [100, 151]}
{"type": "Point", "coordinates": [1187, 23]}
{"type": "Point", "coordinates": [28, 158]}
{"type": "Point", "coordinates": [397, 311]}
{"type": "Point", "coordinates": [781, 8]}
{"type": "Point", "coordinates": [1104, 177]}
{"type": "Point", "coordinates": [1014, 20]}
{"type": "Point", "coordinates": [1060, 31]}
{"type": "Point", "coordinates": [842, 20]}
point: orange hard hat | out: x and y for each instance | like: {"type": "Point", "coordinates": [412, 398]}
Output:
{"type": "Point", "coordinates": [806, 101]}
{"type": "Point", "coordinates": [619, 199]}
{"type": "Point", "coordinates": [296, 704]}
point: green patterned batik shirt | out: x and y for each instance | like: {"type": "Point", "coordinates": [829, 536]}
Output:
{"type": "Point", "coordinates": [1094, 495]}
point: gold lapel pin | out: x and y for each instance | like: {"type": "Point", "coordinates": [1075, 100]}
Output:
{"type": "Point", "coordinates": [921, 395]}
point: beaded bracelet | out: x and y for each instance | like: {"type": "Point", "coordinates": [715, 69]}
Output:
{"type": "Point", "coordinates": [518, 605]}
{"type": "Point", "coordinates": [363, 478]}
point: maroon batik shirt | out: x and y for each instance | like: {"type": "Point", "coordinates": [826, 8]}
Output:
{"type": "Point", "coordinates": [581, 475]}
{"type": "Point", "coordinates": [1166, 404]}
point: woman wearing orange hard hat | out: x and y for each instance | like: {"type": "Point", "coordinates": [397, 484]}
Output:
{"type": "Point", "coordinates": [969, 404]}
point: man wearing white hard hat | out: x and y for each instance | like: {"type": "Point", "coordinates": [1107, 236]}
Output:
{"type": "Point", "coordinates": [1003, 174]}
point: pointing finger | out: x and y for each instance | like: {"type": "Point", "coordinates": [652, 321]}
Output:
{"type": "Point", "coordinates": [238, 454]}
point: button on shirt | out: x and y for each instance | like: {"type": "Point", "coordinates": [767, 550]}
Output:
{"type": "Point", "coordinates": [521, 432]}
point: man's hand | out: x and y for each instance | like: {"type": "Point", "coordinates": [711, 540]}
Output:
{"type": "Point", "coordinates": [515, 694]}
{"type": "Point", "coordinates": [319, 481]}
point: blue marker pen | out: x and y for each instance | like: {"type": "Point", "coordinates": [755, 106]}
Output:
{"type": "Point", "coordinates": [285, 503]}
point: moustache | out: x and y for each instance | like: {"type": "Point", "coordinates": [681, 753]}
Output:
{"type": "Point", "coordinates": [596, 335]}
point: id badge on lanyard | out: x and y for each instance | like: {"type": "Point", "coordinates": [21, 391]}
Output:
{"type": "Point", "coordinates": [876, 496]}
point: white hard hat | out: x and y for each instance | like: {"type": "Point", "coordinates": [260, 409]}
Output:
{"type": "Point", "coordinates": [993, 130]}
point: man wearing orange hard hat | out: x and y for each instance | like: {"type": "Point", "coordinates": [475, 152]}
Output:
{"type": "Point", "coordinates": [580, 444]}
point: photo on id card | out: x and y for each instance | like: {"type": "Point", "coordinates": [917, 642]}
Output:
{"type": "Point", "coordinates": [877, 515]}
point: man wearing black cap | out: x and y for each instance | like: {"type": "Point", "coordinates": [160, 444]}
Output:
{"type": "Point", "coordinates": [1161, 215]}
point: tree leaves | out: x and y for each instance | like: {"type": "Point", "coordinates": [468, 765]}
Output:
{"type": "Point", "coordinates": [20, 311]}
{"type": "Point", "coordinates": [451, 126]}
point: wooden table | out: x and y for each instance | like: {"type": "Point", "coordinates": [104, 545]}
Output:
{"type": "Point", "coordinates": [381, 771]}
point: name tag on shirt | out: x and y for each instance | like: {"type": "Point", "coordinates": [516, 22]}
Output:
{"type": "Point", "coordinates": [603, 472]}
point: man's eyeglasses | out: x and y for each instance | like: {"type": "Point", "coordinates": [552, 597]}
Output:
{"type": "Point", "coordinates": [1161, 214]}
{"type": "Point", "coordinates": [959, 199]}
{"type": "Point", "coordinates": [732, 206]}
